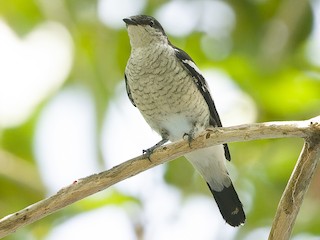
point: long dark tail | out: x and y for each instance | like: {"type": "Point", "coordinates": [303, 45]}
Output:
{"type": "Point", "coordinates": [229, 205]}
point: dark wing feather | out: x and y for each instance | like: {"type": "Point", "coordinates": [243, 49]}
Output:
{"type": "Point", "coordinates": [128, 90]}
{"type": "Point", "coordinates": [202, 86]}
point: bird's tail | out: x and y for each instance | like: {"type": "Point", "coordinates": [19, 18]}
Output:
{"type": "Point", "coordinates": [229, 205]}
{"type": "Point", "coordinates": [210, 163]}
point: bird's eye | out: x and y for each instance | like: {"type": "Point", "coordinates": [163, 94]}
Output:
{"type": "Point", "coordinates": [151, 24]}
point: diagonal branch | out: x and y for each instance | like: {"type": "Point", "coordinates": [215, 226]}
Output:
{"type": "Point", "coordinates": [98, 182]}
{"type": "Point", "coordinates": [296, 188]}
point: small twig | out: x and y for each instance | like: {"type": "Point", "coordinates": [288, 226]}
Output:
{"type": "Point", "coordinates": [97, 182]}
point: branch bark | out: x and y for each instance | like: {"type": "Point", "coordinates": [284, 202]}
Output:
{"type": "Point", "coordinates": [309, 129]}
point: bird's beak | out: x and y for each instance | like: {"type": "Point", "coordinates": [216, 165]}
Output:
{"type": "Point", "coordinates": [130, 21]}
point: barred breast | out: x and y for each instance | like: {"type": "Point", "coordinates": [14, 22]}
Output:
{"type": "Point", "coordinates": [165, 93]}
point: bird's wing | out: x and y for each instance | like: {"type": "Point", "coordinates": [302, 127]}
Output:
{"type": "Point", "coordinates": [128, 90]}
{"type": "Point", "coordinates": [202, 86]}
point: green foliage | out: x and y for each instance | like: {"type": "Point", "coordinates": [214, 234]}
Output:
{"type": "Point", "coordinates": [21, 15]}
{"type": "Point", "coordinates": [283, 84]}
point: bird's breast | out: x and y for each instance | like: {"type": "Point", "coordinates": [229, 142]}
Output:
{"type": "Point", "coordinates": [165, 93]}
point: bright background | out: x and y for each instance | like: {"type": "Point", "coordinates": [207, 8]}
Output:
{"type": "Point", "coordinates": [64, 113]}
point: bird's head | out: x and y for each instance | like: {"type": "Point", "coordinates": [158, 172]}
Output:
{"type": "Point", "coordinates": [145, 30]}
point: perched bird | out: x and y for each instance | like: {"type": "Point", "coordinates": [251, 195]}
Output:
{"type": "Point", "coordinates": [164, 83]}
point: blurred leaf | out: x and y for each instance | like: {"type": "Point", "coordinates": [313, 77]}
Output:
{"type": "Point", "coordinates": [22, 15]}
{"type": "Point", "coordinates": [110, 197]}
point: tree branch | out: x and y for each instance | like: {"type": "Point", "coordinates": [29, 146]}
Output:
{"type": "Point", "coordinates": [296, 188]}
{"type": "Point", "coordinates": [97, 182]}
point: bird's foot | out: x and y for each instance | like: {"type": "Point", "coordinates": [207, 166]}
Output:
{"type": "Point", "coordinates": [189, 137]}
{"type": "Point", "coordinates": [147, 152]}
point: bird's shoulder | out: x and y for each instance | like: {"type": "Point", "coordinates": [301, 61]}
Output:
{"type": "Point", "coordinates": [193, 70]}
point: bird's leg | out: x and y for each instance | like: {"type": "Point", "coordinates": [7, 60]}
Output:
{"type": "Point", "coordinates": [189, 136]}
{"type": "Point", "coordinates": [149, 151]}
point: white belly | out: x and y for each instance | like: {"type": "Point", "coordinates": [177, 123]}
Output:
{"type": "Point", "coordinates": [177, 125]}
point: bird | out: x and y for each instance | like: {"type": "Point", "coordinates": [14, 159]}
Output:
{"type": "Point", "coordinates": [172, 95]}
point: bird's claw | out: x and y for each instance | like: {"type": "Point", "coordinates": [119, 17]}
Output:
{"type": "Point", "coordinates": [189, 137]}
{"type": "Point", "coordinates": [147, 153]}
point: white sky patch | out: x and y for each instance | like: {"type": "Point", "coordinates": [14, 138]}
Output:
{"type": "Point", "coordinates": [196, 218]}
{"type": "Point", "coordinates": [102, 223]}
{"type": "Point", "coordinates": [178, 18]}
{"type": "Point", "coordinates": [112, 12]}
{"type": "Point", "coordinates": [233, 105]}
{"type": "Point", "coordinates": [313, 48]}
{"type": "Point", "coordinates": [31, 68]}
{"type": "Point", "coordinates": [64, 143]}
{"type": "Point", "coordinates": [217, 18]}
{"type": "Point", "coordinates": [258, 233]}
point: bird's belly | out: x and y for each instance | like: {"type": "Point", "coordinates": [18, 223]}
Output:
{"type": "Point", "coordinates": [172, 108]}
{"type": "Point", "coordinates": [176, 125]}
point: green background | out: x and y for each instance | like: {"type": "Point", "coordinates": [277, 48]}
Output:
{"type": "Point", "coordinates": [284, 86]}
